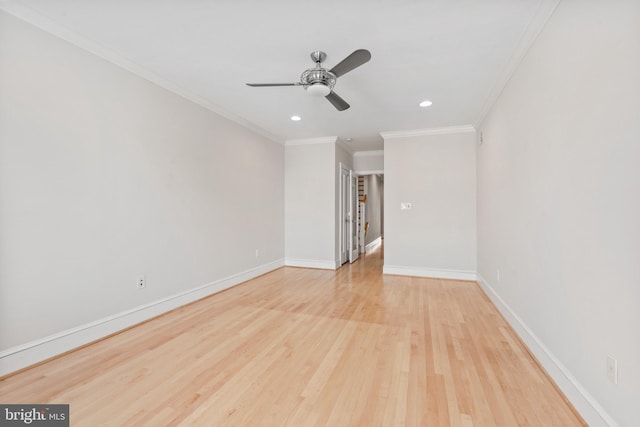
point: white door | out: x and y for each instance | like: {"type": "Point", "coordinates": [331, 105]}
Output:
{"type": "Point", "coordinates": [353, 217]}
{"type": "Point", "coordinates": [344, 215]}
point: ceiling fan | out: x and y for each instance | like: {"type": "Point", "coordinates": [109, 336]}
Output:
{"type": "Point", "coordinates": [319, 81]}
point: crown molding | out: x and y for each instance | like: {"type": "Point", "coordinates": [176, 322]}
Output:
{"type": "Point", "coordinates": [426, 132]}
{"type": "Point", "coordinates": [312, 141]}
{"type": "Point", "coordinates": [545, 10]}
{"type": "Point", "coordinates": [368, 153]}
{"type": "Point", "coordinates": [38, 20]}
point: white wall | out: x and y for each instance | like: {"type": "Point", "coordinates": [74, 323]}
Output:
{"type": "Point", "coordinates": [105, 176]}
{"type": "Point", "coordinates": [373, 212]}
{"type": "Point", "coordinates": [559, 204]}
{"type": "Point", "coordinates": [368, 162]}
{"type": "Point", "coordinates": [310, 203]}
{"type": "Point", "coordinates": [312, 192]}
{"type": "Point", "coordinates": [436, 173]}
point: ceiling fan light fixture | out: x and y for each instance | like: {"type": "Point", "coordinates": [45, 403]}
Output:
{"type": "Point", "coordinates": [318, 89]}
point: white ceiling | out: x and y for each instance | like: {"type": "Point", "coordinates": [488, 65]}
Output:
{"type": "Point", "coordinates": [456, 53]}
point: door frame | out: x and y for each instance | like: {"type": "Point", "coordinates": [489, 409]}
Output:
{"type": "Point", "coordinates": [343, 229]}
{"type": "Point", "coordinates": [354, 205]}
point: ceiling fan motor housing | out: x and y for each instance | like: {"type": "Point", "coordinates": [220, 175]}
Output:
{"type": "Point", "coordinates": [318, 81]}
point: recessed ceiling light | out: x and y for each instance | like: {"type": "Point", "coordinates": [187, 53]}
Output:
{"type": "Point", "coordinates": [426, 103]}
{"type": "Point", "coordinates": [349, 139]}
{"type": "Point", "coordinates": [296, 118]}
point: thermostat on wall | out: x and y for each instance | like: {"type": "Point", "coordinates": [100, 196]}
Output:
{"type": "Point", "coordinates": [404, 206]}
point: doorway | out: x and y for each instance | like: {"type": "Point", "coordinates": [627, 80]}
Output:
{"type": "Point", "coordinates": [372, 193]}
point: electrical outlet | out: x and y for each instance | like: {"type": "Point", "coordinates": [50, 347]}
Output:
{"type": "Point", "coordinates": [257, 253]}
{"type": "Point", "coordinates": [498, 275]}
{"type": "Point", "coordinates": [612, 370]}
{"type": "Point", "coordinates": [142, 282]}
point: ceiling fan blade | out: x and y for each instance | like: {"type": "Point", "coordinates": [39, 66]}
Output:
{"type": "Point", "coordinates": [273, 84]}
{"type": "Point", "coordinates": [356, 59]}
{"type": "Point", "coordinates": [337, 102]}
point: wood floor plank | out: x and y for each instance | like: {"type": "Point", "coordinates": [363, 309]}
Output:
{"type": "Point", "coordinates": [299, 347]}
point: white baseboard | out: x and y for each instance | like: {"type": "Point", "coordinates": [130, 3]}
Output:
{"type": "Point", "coordinates": [372, 244]}
{"type": "Point", "coordinates": [580, 398]}
{"type": "Point", "coordinates": [311, 263]}
{"type": "Point", "coordinates": [429, 272]}
{"type": "Point", "coordinates": [25, 355]}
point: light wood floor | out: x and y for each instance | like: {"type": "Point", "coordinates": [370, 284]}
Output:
{"type": "Point", "coordinates": [302, 347]}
